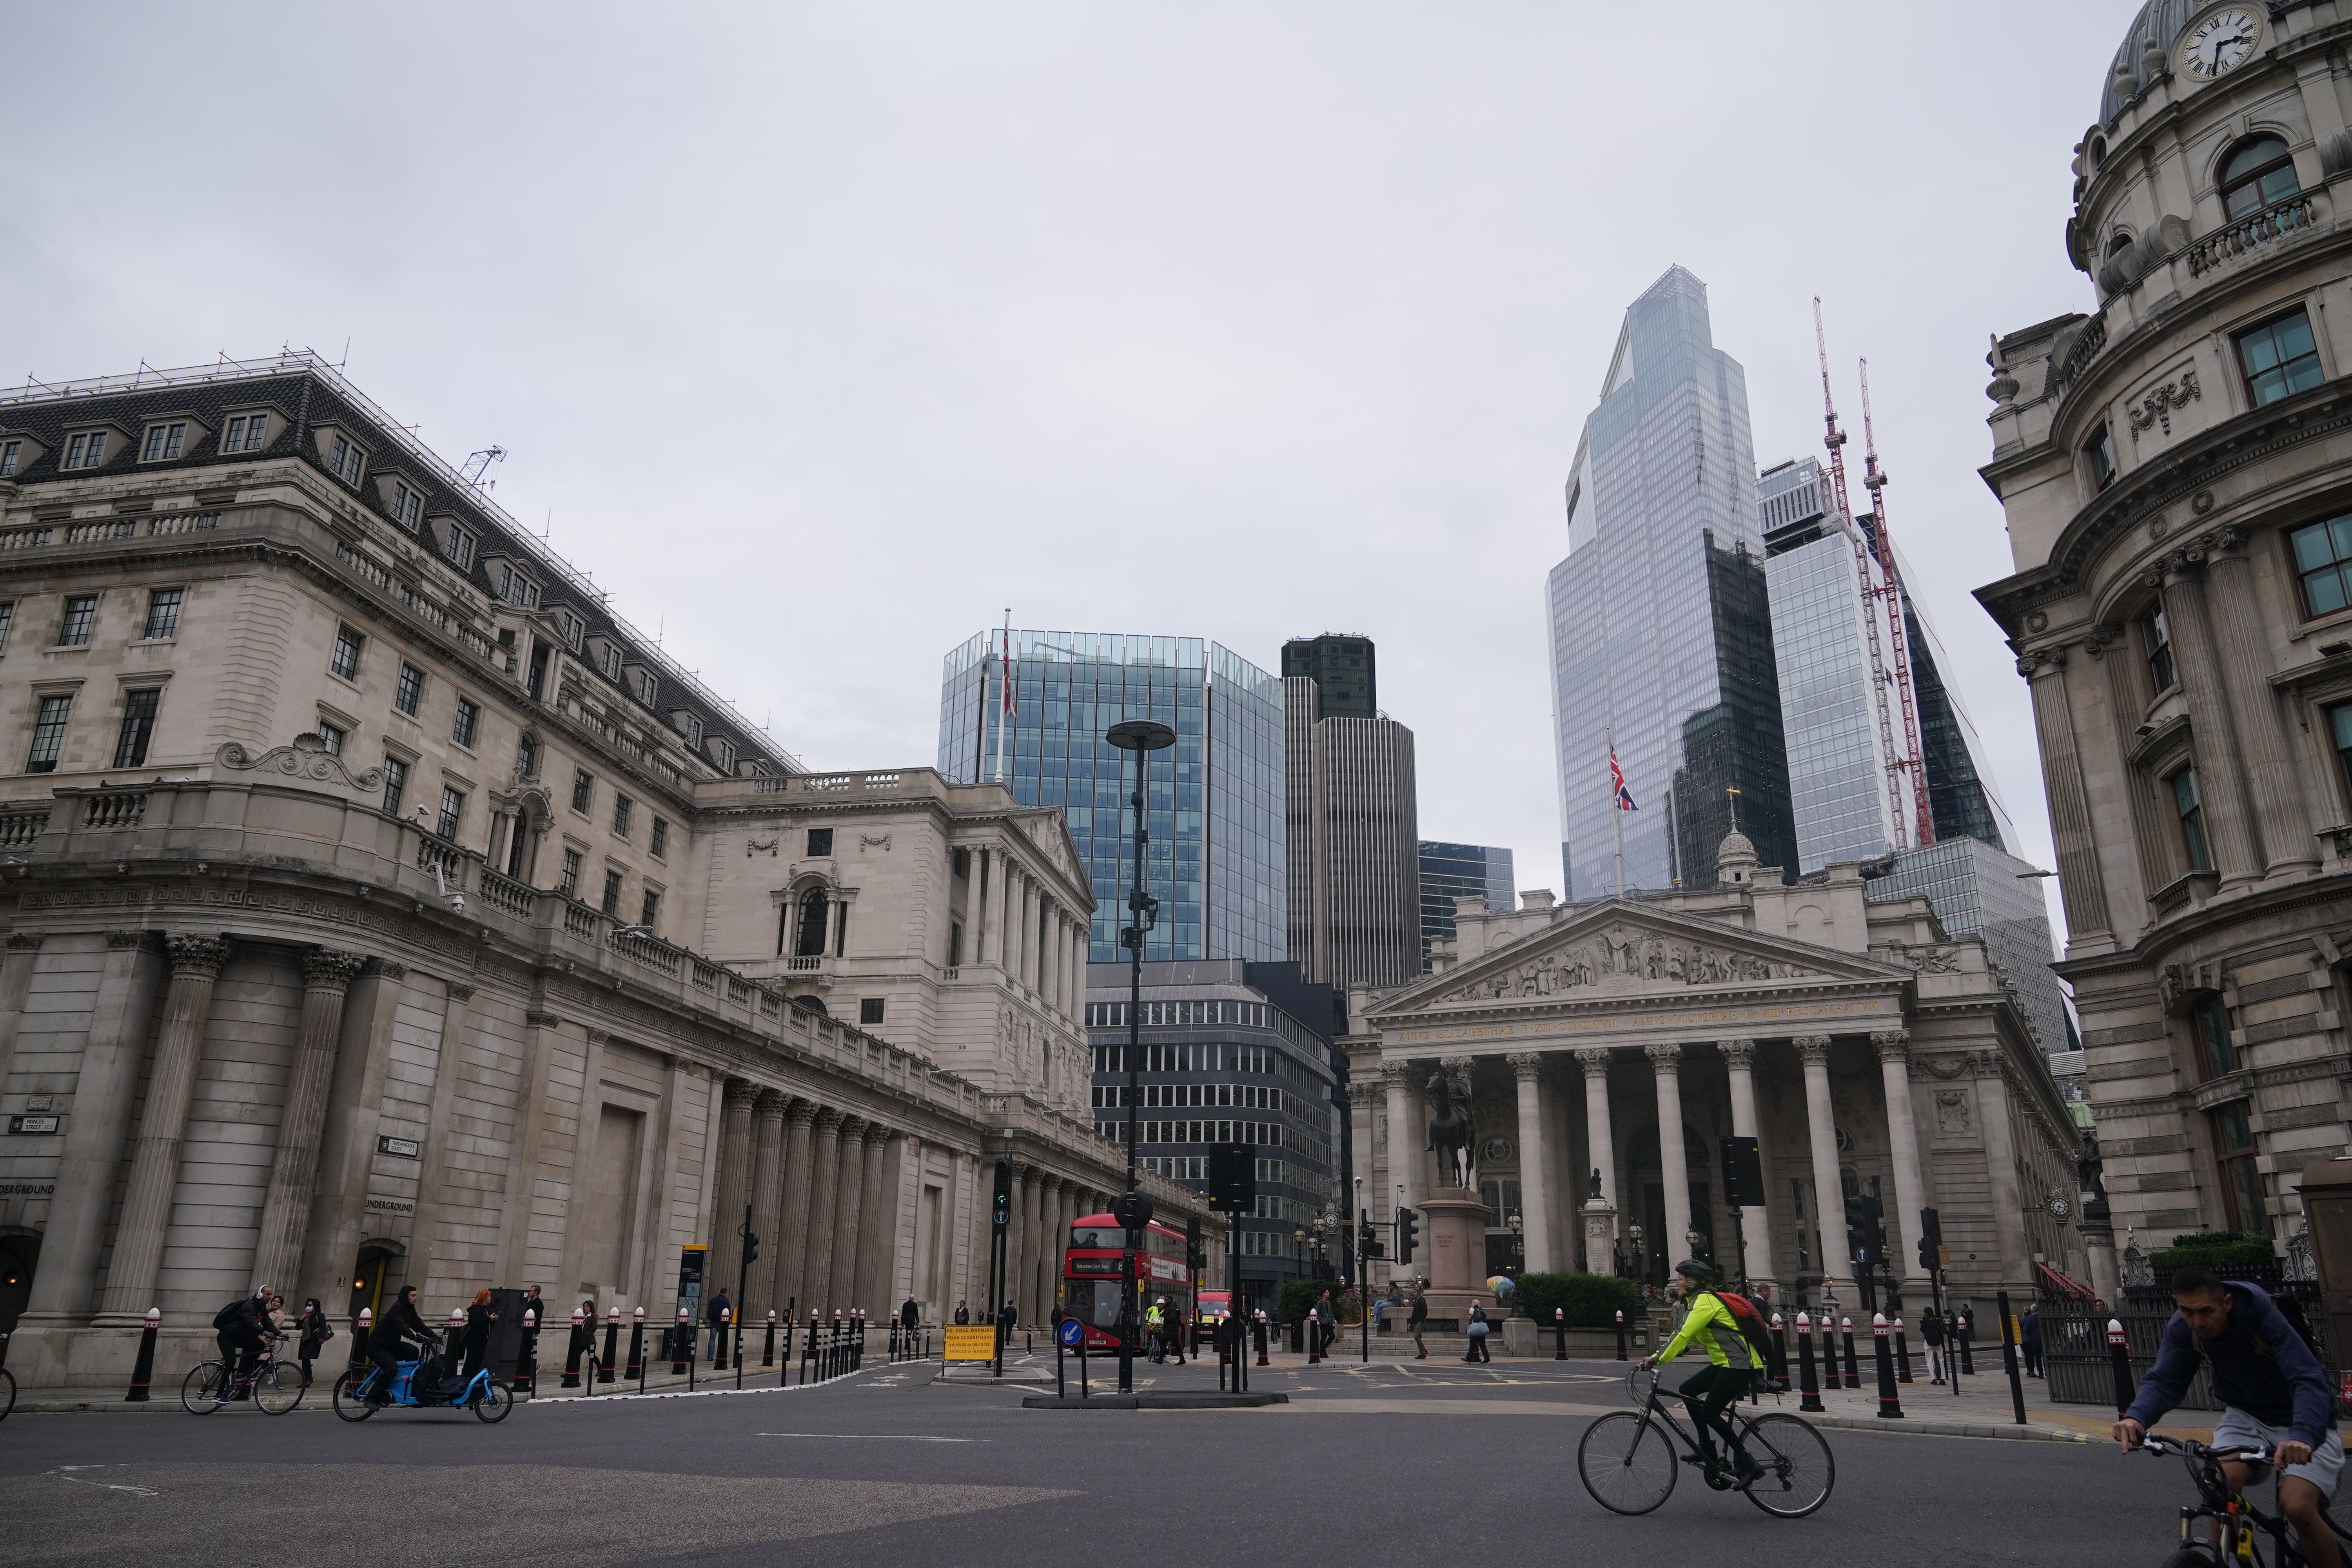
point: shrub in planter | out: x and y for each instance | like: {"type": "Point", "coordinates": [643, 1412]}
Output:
{"type": "Point", "coordinates": [2215, 1249]}
{"type": "Point", "coordinates": [1591, 1300]}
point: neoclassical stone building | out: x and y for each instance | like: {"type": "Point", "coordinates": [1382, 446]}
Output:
{"type": "Point", "coordinates": [2175, 468]}
{"type": "Point", "coordinates": [380, 908]}
{"type": "Point", "coordinates": [1864, 1050]}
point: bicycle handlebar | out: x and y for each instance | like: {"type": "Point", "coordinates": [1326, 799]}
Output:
{"type": "Point", "coordinates": [2186, 1448]}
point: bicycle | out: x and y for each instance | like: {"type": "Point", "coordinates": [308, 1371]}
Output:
{"type": "Point", "coordinates": [7, 1391]}
{"type": "Point", "coordinates": [207, 1386]}
{"type": "Point", "coordinates": [2235, 1519]}
{"type": "Point", "coordinates": [490, 1400]}
{"type": "Point", "coordinates": [1630, 1465]}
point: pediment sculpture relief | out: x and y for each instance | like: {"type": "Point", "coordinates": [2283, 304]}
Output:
{"type": "Point", "coordinates": [306, 758]}
{"type": "Point", "coordinates": [1621, 958]}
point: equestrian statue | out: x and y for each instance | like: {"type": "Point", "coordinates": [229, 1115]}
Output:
{"type": "Point", "coordinates": [1453, 1131]}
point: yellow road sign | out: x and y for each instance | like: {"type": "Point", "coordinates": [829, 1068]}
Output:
{"type": "Point", "coordinates": [972, 1343]}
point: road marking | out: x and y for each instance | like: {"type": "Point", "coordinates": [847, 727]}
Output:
{"type": "Point", "coordinates": [61, 1472]}
{"type": "Point", "coordinates": [872, 1436]}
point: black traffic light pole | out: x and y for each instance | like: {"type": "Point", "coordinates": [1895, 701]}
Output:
{"type": "Point", "coordinates": [1143, 737]}
{"type": "Point", "coordinates": [742, 1284]}
{"type": "Point", "coordinates": [999, 1220]}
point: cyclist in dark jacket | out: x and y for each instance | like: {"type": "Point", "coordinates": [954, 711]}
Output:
{"type": "Point", "coordinates": [241, 1342]}
{"type": "Point", "coordinates": [400, 1325]}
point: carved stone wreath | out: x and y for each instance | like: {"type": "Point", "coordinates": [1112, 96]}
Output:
{"type": "Point", "coordinates": [306, 758]}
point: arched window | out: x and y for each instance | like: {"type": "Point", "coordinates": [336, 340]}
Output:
{"type": "Point", "coordinates": [2257, 174]}
{"type": "Point", "coordinates": [811, 938]}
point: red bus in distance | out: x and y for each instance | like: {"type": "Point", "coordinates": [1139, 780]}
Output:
{"type": "Point", "coordinates": [1090, 1271]}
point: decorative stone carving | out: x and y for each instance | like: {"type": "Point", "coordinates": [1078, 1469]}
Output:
{"type": "Point", "coordinates": [870, 841]}
{"type": "Point", "coordinates": [2156, 408]}
{"type": "Point", "coordinates": [202, 955]}
{"type": "Point", "coordinates": [460, 991]}
{"type": "Point", "coordinates": [1396, 1072]}
{"type": "Point", "coordinates": [306, 758]}
{"type": "Point", "coordinates": [1737, 1053]}
{"type": "Point", "coordinates": [1812, 1048]}
{"type": "Point", "coordinates": [1527, 1064]}
{"type": "Point", "coordinates": [1635, 954]}
{"type": "Point", "coordinates": [1954, 1112]}
{"type": "Point", "coordinates": [1664, 1056]}
{"type": "Point", "coordinates": [771, 847]}
{"type": "Point", "coordinates": [1595, 1060]}
{"type": "Point", "coordinates": [332, 968]}
{"type": "Point", "coordinates": [1892, 1045]}
{"type": "Point", "coordinates": [1924, 960]}
{"type": "Point", "coordinates": [27, 942]}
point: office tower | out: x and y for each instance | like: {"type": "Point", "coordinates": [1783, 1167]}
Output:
{"type": "Point", "coordinates": [1352, 833]}
{"type": "Point", "coordinates": [1215, 807]}
{"type": "Point", "coordinates": [1661, 628]}
{"type": "Point", "coordinates": [1976, 889]}
{"type": "Point", "coordinates": [1232, 1053]}
{"type": "Point", "coordinates": [1341, 665]}
{"type": "Point", "coordinates": [1451, 871]}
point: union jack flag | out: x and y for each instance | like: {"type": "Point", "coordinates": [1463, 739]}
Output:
{"type": "Point", "coordinates": [1617, 782]}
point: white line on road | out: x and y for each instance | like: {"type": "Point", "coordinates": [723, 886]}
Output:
{"type": "Point", "coordinates": [872, 1436]}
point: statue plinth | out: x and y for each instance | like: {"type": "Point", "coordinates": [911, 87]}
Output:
{"type": "Point", "coordinates": [1600, 1238]}
{"type": "Point", "coordinates": [1455, 1235]}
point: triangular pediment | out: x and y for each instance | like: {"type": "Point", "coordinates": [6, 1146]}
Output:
{"type": "Point", "coordinates": [1617, 949]}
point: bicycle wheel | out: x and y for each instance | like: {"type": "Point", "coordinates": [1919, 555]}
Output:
{"type": "Point", "coordinates": [1628, 1463]}
{"type": "Point", "coordinates": [7, 1391]}
{"type": "Point", "coordinates": [200, 1389]}
{"type": "Point", "coordinates": [275, 1391]}
{"type": "Point", "coordinates": [1799, 1470]}
{"type": "Point", "coordinates": [495, 1403]}
{"type": "Point", "coordinates": [2196, 1554]}
{"type": "Point", "coordinates": [350, 1398]}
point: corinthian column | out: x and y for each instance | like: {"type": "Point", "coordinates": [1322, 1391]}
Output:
{"type": "Point", "coordinates": [1534, 1162]}
{"type": "Point", "coordinates": [2284, 821]}
{"type": "Point", "coordinates": [1673, 1163]}
{"type": "Point", "coordinates": [1405, 1161]}
{"type": "Point", "coordinates": [1595, 1063]}
{"type": "Point", "coordinates": [849, 1205]}
{"type": "Point", "coordinates": [1894, 1049]}
{"type": "Point", "coordinates": [327, 977]}
{"type": "Point", "coordinates": [734, 1181]}
{"type": "Point", "coordinates": [767, 1199]}
{"type": "Point", "coordinates": [2079, 881]}
{"type": "Point", "coordinates": [824, 1168]}
{"type": "Point", "coordinates": [1829, 1189]}
{"type": "Point", "coordinates": [1756, 1234]}
{"type": "Point", "coordinates": [877, 1241]}
{"type": "Point", "coordinates": [2229, 812]}
{"type": "Point", "coordinates": [196, 962]}
{"type": "Point", "coordinates": [792, 1225]}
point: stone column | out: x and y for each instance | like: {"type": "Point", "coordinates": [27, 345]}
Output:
{"type": "Point", "coordinates": [196, 962]}
{"type": "Point", "coordinates": [1829, 1190]}
{"type": "Point", "coordinates": [734, 1183]}
{"type": "Point", "coordinates": [347, 1142]}
{"type": "Point", "coordinates": [1534, 1163]}
{"type": "Point", "coordinates": [1600, 1209]}
{"type": "Point", "coordinates": [1404, 1159]}
{"type": "Point", "coordinates": [15, 985]}
{"type": "Point", "coordinates": [1756, 1230]}
{"type": "Point", "coordinates": [2285, 823]}
{"type": "Point", "coordinates": [327, 975]}
{"type": "Point", "coordinates": [66, 1282]}
{"type": "Point", "coordinates": [1031, 1198]}
{"type": "Point", "coordinates": [793, 1221]}
{"type": "Point", "coordinates": [2229, 812]}
{"type": "Point", "coordinates": [849, 1206]}
{"type": "Point", "coordinates": [1894, 1049]}
{"type": "Point", "coordinates": [1013, 1230]}
{"type": "Point", "coordinates": [767, 1202]}
{"type": "Point", "coordinates": [1674, 1166]}
{"type": "Point", "coordinates": [2079, 881]}
{"type": "Point", "coordinates": [825, 1185]}
{"type": "Point", "coordinates": [876, 1243]}
{"type": "Point", "coordinates": [1049, 959]}
{"type": "Point", "coordinates": [2150, 828]}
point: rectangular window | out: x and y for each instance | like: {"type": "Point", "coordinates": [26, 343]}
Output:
{"type": "Point", "coordinates": [569, 883]}
{"type": "Point", "coordinates": [330, 740]}
{"type": "Point", "coordinates": [610, 662]}
{"type": "Point", "coordinates": [648, 688]}
{"type": "Point", "coordinates": [722, 752]}
{"type": "Point", "coordinates": [73, 629]}
{"type": "Point", "coordinates": [11, 453]}
{"type": "Point", "coordinates": [583, 789]}
{"type": "Point", "coordinates": [344, 461]}
{"type": "Point", "coordinates": [469, 719]}
{"type": "Point", "coordinates": [2215, 1055]}
{"type": "Point", "coordinates": [245, 433]}
{"type": "Point", "coordinates": [573, 630]}
{"type": "Point", "coordinates": [690, 725]}
{"type": "Point", "coordinates": [820, 842]}
{"type": "Point", "coordinates": [452, 814]}
{"type": "Point", "coordinates": [2155, 637]}
{"type": "Point", "coordinates": [527, 757]}
{"type": "Point", "coordinates": [396, 785]}
{"type": "Point", "coordinates": [162, 614]}
{"type": "Point", "coordinates": [2192, 819]}
{"type": "Point", "coordinates": [650, 910]}
{"type": "Point", "coordinates": [410, 690]}
{"type": "Point", "coordinates": [346, 662]}
{"type": "Point", "coordinates": [405, 504]}
{"type": "Point", "coordinates": [2322, 563]}
{"type": "Point", "coordinates": [2279, 358]}
{"type": "Point", "coordinates": [612, 904]}
{"type": "Point", "coordinates": [517, 589]}
{"type": "Point", "coordinates": [2242, 1181]}
{"type": "Point", "coordinates": [661, 837]}
{"type": "Point", "coordinates": [138, 728]}
{"type": "Point", "coordinates": [85, 451]}
{"type": "Point", "coordinates": [164, 441]}
{"type": "Point", "coordinates": [49, 734]}
{"type": "Point", "coordinates": [2100, 451]}
{"type": "Point", "coordinates": [7, 615]}
{"type": "Point", "coordinates": [869, 1009]}
{"type": "Point", "coordinates": [622, 807]}
{"type": "Point", "coordinates": [458, 546]}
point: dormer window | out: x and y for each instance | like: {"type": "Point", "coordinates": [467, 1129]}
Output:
{"type": "Point", "coordinates": [406, 504]}
{"type": "Point", "coordinates": [517, 589]}
{"type": "Point", "coordinates": [609, 661]}
{"type": "Point", "coordinates": [10, 454]}
{"type": "Point", "coordinates": [245, 433]}
{"type": "Point", "coordinates": [345, 461]}
{"type": "Point", "coordinates": [648, 686]}
{"type": "Point", "coordinates": [690, 726]}
{"type": "Point", "coordinates": [722, 752]}
{"type": "Point", "coordinates": [164, 441]}
{"type": "Point", "coordinates": [574, 629]}
{"type": "Point", "coordinates": [86, 450]}
{"type": "Point", "coordinates": [2259, 174]}
{"type": "Point", "coordinates": [458, 546]}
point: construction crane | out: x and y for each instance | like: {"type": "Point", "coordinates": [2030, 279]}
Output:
{"type": "Point", "coordinates": [1865, 560]}
{"type": "Point", "coordinates": [478, 464]}
{"type": "Point", "coordinates": [1874, 480]}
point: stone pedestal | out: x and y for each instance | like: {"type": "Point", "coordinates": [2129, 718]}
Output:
{"type": "Point", "coordinates": [1519, 1336]}
{"type": "Point", "coordinates": [1600, 1238]}
{"type": "Point", "coordinates": [1457, 1257]}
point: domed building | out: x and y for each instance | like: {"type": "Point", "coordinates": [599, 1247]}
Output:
{"type": "Point", "coordinates": [2176, 466]}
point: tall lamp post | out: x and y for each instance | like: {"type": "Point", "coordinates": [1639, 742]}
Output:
{"type": "Point", "coordinates": [1143, 737]}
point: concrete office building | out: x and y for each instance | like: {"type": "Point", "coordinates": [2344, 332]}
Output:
{"type": "Point", "coordinates": [1451, 871]}
{"type": "Point", "coordinates": [1979, 891]}
{"type": "Point", "coordinates": [1351, 814]}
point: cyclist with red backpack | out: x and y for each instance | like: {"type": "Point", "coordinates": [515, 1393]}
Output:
{"type": "Point", "coordinates": [1730, 1328]}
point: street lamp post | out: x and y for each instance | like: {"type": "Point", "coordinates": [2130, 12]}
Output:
{"type": "Point", "coordinates": [1143, 737]}
{"type": "Point", "coordinates": [1518, 1224]}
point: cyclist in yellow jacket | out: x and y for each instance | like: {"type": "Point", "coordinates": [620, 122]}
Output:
{"type": "Point", "coordinates": [1732, 1363]}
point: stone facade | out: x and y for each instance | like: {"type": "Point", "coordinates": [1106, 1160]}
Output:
{"type": "Point", "coordinates": [425, 928]}
{"type": "Point", "coordinates": [2162, 461]}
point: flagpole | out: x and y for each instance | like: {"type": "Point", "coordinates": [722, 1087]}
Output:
{"type": "Point", "coordinates": [1616, 813]}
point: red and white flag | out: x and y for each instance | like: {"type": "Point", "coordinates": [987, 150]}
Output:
{"type": "Point", "coordinates": [1617, 783]}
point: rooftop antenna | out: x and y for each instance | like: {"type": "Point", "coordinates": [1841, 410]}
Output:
{"type": "Point", "coordinates": [478, 464]}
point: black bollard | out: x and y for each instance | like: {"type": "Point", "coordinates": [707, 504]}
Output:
{"type": "Point", "coordinates": [1261, 1340]}
{"type": "Point", "coordinates": [1967, 1333]}
{"type": "Point", "coordinates": [2009, 1356]}
{"type": "Point", "coordinates": [571, 1350]}
{"type": "Point", "coordinates": [768, 1347]}
{"type": "Point", "coordinates": [1890, 1405]}
{"type": "Point", "coordinates": [1808, 1384]}
{"type": "Point", "coordinates": [144, 1370]}
{"type": "Point", "coordinates": [1061, 1381]}
{"type": "Point", "coordinates": [636, 1369]}
{"type": "Point", "coordinates": [718, 1346]}
{"type": "Point", "coordinates": [1902, 1354]}
{"type": "Point", "coordinates": [612, 1345]}
{"type": "Point", "coordinates": [1559, 1328]}
{"type": "Point", "coordinates": [526, 1377]}
{"type": "Point", "coordinates": [360, 1327]}
{"type": "Point", "coordinates": [1852, 1372]}
{"type": "Point", "coordinates": [2120, 1357]}
{"type": "Point", "coordinates": [681, 1339]}
{"type": "Point", "coordinates": [1781, 1353]}
{"type": "Point", "coordinates": [1621, 1336]}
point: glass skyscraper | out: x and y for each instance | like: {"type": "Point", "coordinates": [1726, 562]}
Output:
{"type": "Point", "coordinates": [1976, 889]}
{"type": "Point", "coordinates": [1215, 860]}
{"type": "Point", "coordinates": [1451, 871]}
{"type": "Point", "coordinates": [1661, 627]}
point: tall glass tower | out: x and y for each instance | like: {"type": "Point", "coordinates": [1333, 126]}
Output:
{"type": "Point", "coordinates": [1215, 861]}
{"type": "Point", "coordinates": [1661, 630]}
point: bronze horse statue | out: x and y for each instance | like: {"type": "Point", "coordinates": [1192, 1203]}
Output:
{"type": "Point", "coordinates": [1452, 1131]}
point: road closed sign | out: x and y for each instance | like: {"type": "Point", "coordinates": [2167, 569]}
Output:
{"type": "Point", "coordinates": [972, 1343]}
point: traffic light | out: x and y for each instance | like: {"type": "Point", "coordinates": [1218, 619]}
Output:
{"type": "Point", "coordinates": [1232, 1178]}
{"type": "Point", "coordinates": [1002, 1212]}
{"type": "Point", "coordinates": [750, 1247]}
{"type": "Point", "coordinates": [1368, 1242]}
{"type": "Point", "coordinates": [1407, 1225]}
{"type": "Point", "coordinates": [1865, 1229]}
{"type": "Point", "coordinates": [1931, 1240]}
{"type": "Point", "coordinates": [1195, 1259]}
{"type": "Point", "coordinates": [1132, 1209]}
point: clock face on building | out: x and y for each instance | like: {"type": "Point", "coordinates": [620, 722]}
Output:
{"type": "Point", "coordinates": [1496, 1150]}
{"type": "Point", "coordinates": [2219, 44]}
{"type": "Point", "coordinates": [2061, 1207]}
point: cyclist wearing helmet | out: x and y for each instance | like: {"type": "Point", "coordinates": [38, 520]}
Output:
{"type": "Point", "coordinates": [1732, 1363]}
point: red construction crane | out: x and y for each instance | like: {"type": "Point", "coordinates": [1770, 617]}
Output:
{"type": "Point", "coordinates": [1874, 480]}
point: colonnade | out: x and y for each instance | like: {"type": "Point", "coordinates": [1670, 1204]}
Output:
{"type": "Point", "coordinates": [1033, 936]}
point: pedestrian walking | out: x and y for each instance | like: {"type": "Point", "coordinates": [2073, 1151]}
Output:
{"type": "Point", "coordinates": [316, 1331]}
{"type": "Point", "coordinates": [1326, 1323]}
{"type": "Point", "coordinates": [535, 1308]}
{"type": "Point", "coordinates": [1479, 1328]}
{"type": "Point", "coordinates": [1417, 1318]}
{"type": "Point", "coordinates": [910, 1314]}
{"type": "Point", "coordinates": [963, 1313]}
{"type": "Point", "coordinates": [583, 1335]}
{"type": "Point", "coordinates": [717, 1315]}
{"type": "Point", "coordinates": [1008, 1318]}
{"type": "Point", "coordinates": [478, 1319]}
{"type": "Point", "coordinates": [1931, 1334]}
{"type": "Point", "coordinates": [2029, 1339]}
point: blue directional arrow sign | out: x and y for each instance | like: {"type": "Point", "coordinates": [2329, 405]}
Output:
{"type": "Point", "coordinates": [1072, 1332]}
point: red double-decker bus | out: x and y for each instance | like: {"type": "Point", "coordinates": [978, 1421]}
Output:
{"type": "Point", "coordinates": [1090, 1274]}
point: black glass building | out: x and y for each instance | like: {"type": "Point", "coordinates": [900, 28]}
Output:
{"type": "Point", "coordinates": [1342, 669]}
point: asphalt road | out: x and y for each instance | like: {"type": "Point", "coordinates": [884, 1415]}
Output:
{"type": "Point", "coordinates": [1448, 1465]}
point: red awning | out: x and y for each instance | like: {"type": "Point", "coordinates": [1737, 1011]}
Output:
{"type": "Point", "coordinates": [2061, 1284]}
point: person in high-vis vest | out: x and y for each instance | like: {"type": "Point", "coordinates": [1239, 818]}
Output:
{"type": "Point", "coordinates": [1732, 1363]}
{"type": "Point", "coordinates": [1155, 1328]}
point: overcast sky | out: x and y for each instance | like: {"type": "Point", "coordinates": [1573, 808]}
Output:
{"type": "Point", "coordinates": [823, 333]}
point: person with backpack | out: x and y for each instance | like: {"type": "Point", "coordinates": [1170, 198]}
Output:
{"type": "Point", "coordinates": [1477, 1328]}
{"type": "Point", "coordinates": [1931, 1334]}
{"type": "Point", "coordinates": [2273, 1395]}
{"type": "Point", "coordinates": [1417, 1320]}
{"type": "Point", "coordinates": [1731, 1328]}
{"type": "Point", "coordinates": [239, 1329]}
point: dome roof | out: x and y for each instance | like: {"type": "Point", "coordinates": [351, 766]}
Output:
{"type": "Point", "coordinates": [2160, 22]}
{"type": "Point", "coordinates": [1736, 846]}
